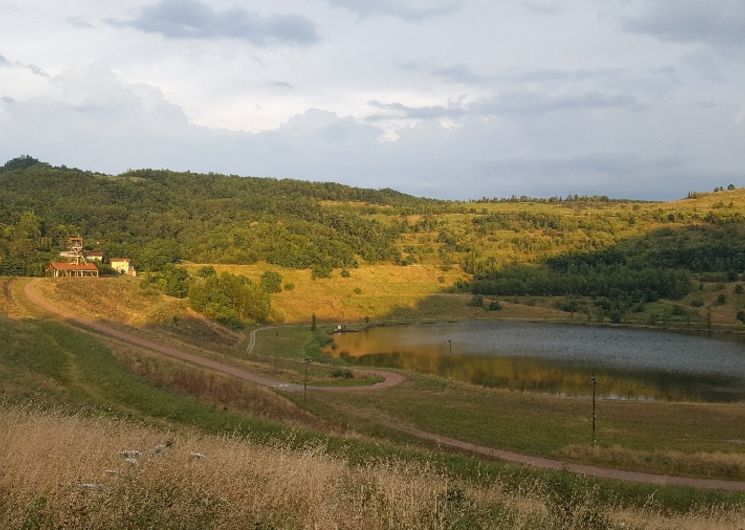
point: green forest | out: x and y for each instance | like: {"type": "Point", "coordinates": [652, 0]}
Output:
{"type": "Point", "coordinates": [621, 253]}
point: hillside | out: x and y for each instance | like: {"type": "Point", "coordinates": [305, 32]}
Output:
{"type": "Point", "coordinates": [342, 250]}
{"type": "Point", "coordinates": [158, 216]}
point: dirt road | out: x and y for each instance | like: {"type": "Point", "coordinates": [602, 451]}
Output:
{"type": "Point", "coordinates": [391, 379]}
{"type": "Point", "coordinates": [32, 293]}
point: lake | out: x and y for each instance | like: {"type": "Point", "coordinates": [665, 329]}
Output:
{"type": "Point", "coordinates": [559, 359]}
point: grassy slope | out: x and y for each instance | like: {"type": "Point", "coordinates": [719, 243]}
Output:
{"type": "Point", "coordinates": [694, 435]}
{"type": "Point", "coordinates": [49, 364]}
{"type": "Point", "coordinates": [382, 289]}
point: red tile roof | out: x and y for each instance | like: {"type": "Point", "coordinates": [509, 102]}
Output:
{"type": "Point", "coordinates": [72, 267]}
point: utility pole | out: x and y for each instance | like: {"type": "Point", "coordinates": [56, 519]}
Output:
{"type": "Point", "coordinates": [594, 415]}
{"type": "Point", "coordinates": [276, 352]}
{"type": "Point", "coordinates": [305, 378]}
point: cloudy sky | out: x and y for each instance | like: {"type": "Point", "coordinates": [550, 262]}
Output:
{"type": "Point", "coordinates": [443, 98]}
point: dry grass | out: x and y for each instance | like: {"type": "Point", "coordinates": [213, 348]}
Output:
{"type": "Point", "coordinates": [68, 472]}
{"type": "Point", "coordinates": [712, 464]}
{"type": "Point", "coordinates": [10, 306]}
{"type": "Point", "coordinates": [123, 300]}
{"type": "Point", "coordinates": [381, 289]}
{"type": "Point", "coordinates": [218, 389]}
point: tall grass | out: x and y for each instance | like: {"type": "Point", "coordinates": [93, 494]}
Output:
{"type": "Point", "coordinates": [69, 472]}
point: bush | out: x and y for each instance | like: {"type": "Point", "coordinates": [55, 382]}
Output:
{"type": "Point", "coordinates": [342, 372]}
{"type": "Point", "coordinates": [739, 289]}
{"type": "Point", "coordinates": [722, 299]}
{"type": "Point", "coordinates": [494, 305]}
{"type": "Point", "coordinates": [357, 290]}
{"type": "Point", "coordinates": [345, 273]}
{"type": "Point", "coordinates": [172, 280]}
{"type": "Point", "coordinates": [320, 271]}
{"type": "Point", "coordinates": [230, 299]}
{"type": "Point", "coordinates": [697, 302]}
{"type": "Point", "coordinates": [271, 282]}
{"type": "Point", "coordinates": [206, 271]}
{"type": "Point", "coordinates": [477, 301]}
{"type": "Point", "coordinates": [289, 286]}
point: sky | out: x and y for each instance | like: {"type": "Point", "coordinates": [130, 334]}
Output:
{"type": "Point", "coordinates": [457, 99]}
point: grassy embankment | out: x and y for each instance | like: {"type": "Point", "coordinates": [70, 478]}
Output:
{"type": "Point", "coordinates": [56, 465]}
{"type": "Point", "coordinates": [698, 439]}
{"type": "Point", "coordinates": [146, 311]}
{"type": "Point", "coordinates": [66, 471]}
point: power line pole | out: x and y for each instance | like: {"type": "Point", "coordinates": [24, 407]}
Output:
{"type": "Point", "coordinates": [305, 378]}
{"type": "Point", "coordinates": [594, 415]}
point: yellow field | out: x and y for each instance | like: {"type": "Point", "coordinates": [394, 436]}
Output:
{"type": "Point", "coordinates": [383, 290]}
{"type": "Point", "coordinates": [74, 472]}
{"type": "Point", "coordinates": [124, 300]}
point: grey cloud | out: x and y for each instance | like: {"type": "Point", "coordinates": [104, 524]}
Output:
{"type": "Point", "coordinates": [193, 19]}
{"type": "Point", "coordinates": [37, 70]}
{"type": "Point", "coordinates": [119, 126]}
{"type": "Point", "coordinates": [398, 8]}
{"type": "Point", "coordinates": [534, 103]}
{"type": "Point", "coordinates": [542, 8]}
{"type": "Point", "coordinates": [718, 22]}
{"type": "Point", "coordinates": [284, 85]}
{"type": "Point", "coordinates": [519, 103]}
{"type": "Point", "coordinates": [414, 113]}
{"type": "Point", "coordinates": [79, 22]}
{"type": "Point", "coordinates": [458, 73]}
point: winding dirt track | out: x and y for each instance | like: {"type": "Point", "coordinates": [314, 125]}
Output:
{"type": "Point", "coordinates": [391, 379]}
{"type": "Point", "coordinates": [33, 295]}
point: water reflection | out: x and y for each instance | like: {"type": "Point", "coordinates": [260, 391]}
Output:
{"type": "Point", "coordinates": [629, 364]}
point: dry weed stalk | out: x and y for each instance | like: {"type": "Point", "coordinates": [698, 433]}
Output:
{"type": "Point", "coordinates": [67, 472]}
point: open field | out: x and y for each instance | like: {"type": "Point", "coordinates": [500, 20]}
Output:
{"type": "Point", "coordinates": [696, 435]}
{"type": "Point", "coordinates": [191, 480]}
{"type": "Point", "coordinates": [704, 440]}
{"type": "Point", "coordinates": [372, 291]}
{"type": "Point", "coordinates": [51, 364]}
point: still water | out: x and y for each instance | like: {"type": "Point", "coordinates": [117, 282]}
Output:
{"type": "Point", "coordinates": [559, 359]}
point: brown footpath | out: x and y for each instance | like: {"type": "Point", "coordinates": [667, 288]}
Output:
{"type": "Point", "coordinates": [391, 379]}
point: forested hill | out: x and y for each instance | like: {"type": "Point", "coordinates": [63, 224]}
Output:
{"type": "Point", "coordinates": [515, 246]}
{"type": "Point", "coordinates": [163, 216]}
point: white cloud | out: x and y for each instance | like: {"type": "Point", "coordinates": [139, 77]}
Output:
{"type": "Point", "coordinates": [469, 98]}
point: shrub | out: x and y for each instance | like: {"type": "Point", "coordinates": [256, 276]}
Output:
{"type": "Point", "coordinates": [722, 299]}
{"type": "Point", "coordinates": [320, 271]}
{"type": "Point", "coordinates": [230, 299]}
{"type": "Point", "coordinates": [494, 305]}
{"type": "Point", "coordinates": [271, 282]}
{"type": "Point", "coordinates": [342, 373]}
{"type": "Point", "coordinates": [345, 273]}
{"type": "Point", "coordinates": [477, 301]}
{"type": "Point", "coordinates": [739, 289]}
{"type": "Point", "coordinates": [697, 302]}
